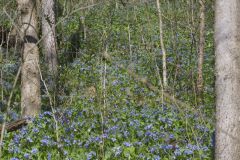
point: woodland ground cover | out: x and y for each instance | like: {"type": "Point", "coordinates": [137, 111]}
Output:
{"type": "Point", "coordinates": [127, 128]}
{"type": "Point", "coordinates": [159, 132]}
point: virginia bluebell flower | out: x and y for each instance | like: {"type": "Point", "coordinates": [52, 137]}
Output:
{"type": "Point", "coordinates": [127, 144]}
{"type": "Point", "coordinates": [34, 151]}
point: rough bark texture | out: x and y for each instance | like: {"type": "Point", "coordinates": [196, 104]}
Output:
{"type": "Point", "coordinates": [227, 45]}
{"type": "Point", "coordinates": [162, 45]}
{"type": "Point", "coordinates": [15, 125]}
{"type": "Point", "coordinates": [49, 38]}
{"type": "Point", "coordinates": [30, 79]}
{"type": "Point", "coordinates": [201, 50]}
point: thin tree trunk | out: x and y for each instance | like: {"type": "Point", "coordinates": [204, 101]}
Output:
{"type": "Point", "coordinates": [201, 51]}
{"type": "Point", "coordinates": [49, 35]}
{"type": "Point", "coordinates": [30, 79]}
{"type": "Point", "coordinates": [162, 45]}
{"type": "Point", "coordinates": [227, 50]}
{"type": "Point", "coordinates": [49, 44]}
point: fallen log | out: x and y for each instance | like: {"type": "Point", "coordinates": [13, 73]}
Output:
{"type": "Point", "coordinates": [15, 125]}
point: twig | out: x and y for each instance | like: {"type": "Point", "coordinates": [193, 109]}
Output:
{"type": "Point", "coordinates": [8, 109]}
{"type": "Point", "coordinates": [51, 103]}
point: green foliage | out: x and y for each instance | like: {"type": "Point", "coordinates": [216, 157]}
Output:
{"type": "Point", "coordinates": [130, 132]}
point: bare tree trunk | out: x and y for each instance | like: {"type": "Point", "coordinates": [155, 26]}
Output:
{"type": "Point", "coordinates": [30, 85]}
{"type": "Point", "coordinates": [201, 51]}
{"type": "Point", "coordinates": [162, 45]}
{"type": "Point", "coordinates": [227, 50]}
{"type": "Point", "coordinates": [49, 44]}
{"type": "Point", "coordinates": [49, 35]}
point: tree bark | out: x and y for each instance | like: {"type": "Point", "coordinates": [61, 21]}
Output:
{"type": "Point", "coordinates": [15, 125]}
{"type": "Point", "coordinates": [201, 51]}
{"type": "Point", "coordinates": [30, 79]}
{"type": "Point", "coordinates": [227, 50]}
{"type": "Point", "coordinates": [49, 35]}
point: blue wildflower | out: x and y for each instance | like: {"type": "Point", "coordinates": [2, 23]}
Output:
{"type": "Point", "coordinates": [148, 133]}
{"type": "Point", "coordinates": [26, 155]}
{"type": "Point", "coordinates": [117, 151]}
{"type": "Point", "coordinates": [90, 155]}
{"type": "Point", "coordinates": [105, 135]}
{"type": "Point", "coordinates": [34, 151]}
{"type": "Point", "coordinates": [29, 140]}
{"type": "Point", "coordinates": [141, 155]}
{"type": "Point", "coordinates": [127, 144]}
{"type": "Point", "coordinates": [148, 127]}
{"type": "Point", "coordinates": [152, 149]}
{"type": "Point", "coordinates": [45, 142]}
{"type": "Point", "coordinates": [205, 148]}
{"type": "Point", "coordinates": [138, 143]}
{"type": "Point", "coordinates": [35, 130]}
{"type": "Point", "coordinates": [177, 152]}
{"type": "Point", "coordinates": [188, 152]}
{"type": "Point", "coordinates": [16, 138]}
{"type": "Point", "coordinates": [47, 113]}
{"type": "Point", "coordinates": [24, 131]}
{"type": "Point", "coordinates": [167, 147]}
{"type": "Point", "coordinates": [126, 134]}
{"type": "Point", "coordinates": [49, 156]}
{"type": "Point", "coordinates": [157, 157]}
{"type": "Point", "coordinates": [193, 147]}
{"type": "Point", "coordinates": [97, 139]}
{"type": "Point", "coordinates": [171, 136]}
{"type": "Point", "coordinates": [14, 149]}
{"type": "Point", "coordinates": [114, 83]}
{"type": "Point", "coordinates": [65, 153]}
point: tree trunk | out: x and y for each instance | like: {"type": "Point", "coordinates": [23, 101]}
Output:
{"type": "Point", "coordinates": [30, 78]}
{"type": "Point", "coordinates": [201, 51]}
{"type": "Point", "coordinates": [162, 45]}
{"type": "Point", "coordinates": [227, 50]}
{"type": "Point", "coordinates": [49, 38]}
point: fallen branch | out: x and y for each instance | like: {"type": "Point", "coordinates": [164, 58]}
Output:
{"type": "Point", "coordinates": [15, 125]}
{"type": "Point", "coordinates": [167, 97]}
